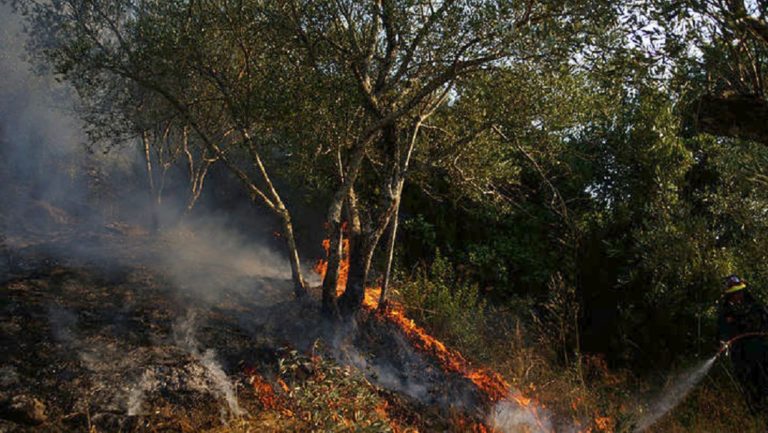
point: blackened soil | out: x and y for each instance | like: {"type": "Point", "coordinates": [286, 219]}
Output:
{"type": "Point", "coordinates": [97, 336]}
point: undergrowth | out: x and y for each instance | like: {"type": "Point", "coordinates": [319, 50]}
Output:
{"type": "Point", "coordinates": [314, 394]}
{"type": "Point", "coordinates": [541, 358]}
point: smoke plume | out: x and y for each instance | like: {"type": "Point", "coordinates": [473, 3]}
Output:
{"type": "Point", "coordinates": [185, 330]}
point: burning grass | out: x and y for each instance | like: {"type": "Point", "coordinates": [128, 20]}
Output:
{"type": "Point", "coordinates": [82, 339]}
{"type": "Point", "coordinates": [491, 385]}
{"type": "Point", "coordinates": [311, 393]}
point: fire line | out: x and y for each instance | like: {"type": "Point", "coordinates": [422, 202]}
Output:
{"type": "Point", "coordinates": [492, 386]}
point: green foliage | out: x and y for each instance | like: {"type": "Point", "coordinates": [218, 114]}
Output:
{"type": "Point", "coordinates": [653, 220]}
{"type": "Point", "coordinates": [436, 298]}
{"type": "Point", "coordinates": [332, 398]}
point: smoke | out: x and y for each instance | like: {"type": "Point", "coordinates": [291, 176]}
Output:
{"type": "Point", "coordinates": [509, 416]}
{"type": "Point", "coordinates": [185, 336]}
{"type": "Point", "coordinates": [208, 258]}
{"type": "Point", "coordinates": [36, 117]}
{"type": "Point", "coordinates": [63, 324]}
{"type": "Point", "coordinates": [49, 179]}
{"type": "Point", "coordinates": [53, 185]}
{"type": "Point", "coordinates": [65, 197]}
{"type": "Point", "coordinates": [62, 321]}
{"type": "Point", "coordinates": [381, 372]}
{"type": "Point", "coordinates": [136, 395]}
{"type": "Point", "coordinates": [674, 394]}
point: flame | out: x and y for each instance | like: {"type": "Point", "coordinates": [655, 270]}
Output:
{"type": "Point", "coordinates": [490, 383]}
{"type": "Point", "coordinates": [264, 391]}
{"type": "Point", "coordinates": [321, 266]}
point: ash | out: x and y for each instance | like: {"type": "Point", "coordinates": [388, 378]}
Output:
{"type": "Point", "coordinates": [120, 337]}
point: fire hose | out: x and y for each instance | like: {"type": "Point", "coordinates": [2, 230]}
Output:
{"type": "Point", "coordinates": [726, 346]}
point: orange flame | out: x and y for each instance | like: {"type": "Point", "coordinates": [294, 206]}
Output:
{"type": "Point", "coordinates": [264, 391]}
{"type": "Point", "coordinates": [490, 383]}
{"type": "Point", "coordinates": [321, 266]}
{"type": "Point", "coordinates": [604, 424]}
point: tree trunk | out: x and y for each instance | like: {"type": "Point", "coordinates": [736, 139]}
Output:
{"type": "Point", "coordinates": [299, 287]}
{"type": "Point", "coordinates": [401, 163]}
{"type": "Point", "coordinates": [390, 254]}
{"type": "Point", "coordinates": [361, 250]}
{"type": "Point", "coordinates": [352, 299]}
{"type": "Point", "coordinates": [363, 242]}
{"type": "Point", "coordinates": [335, 227]}
{"type": "Point", "coordinates": [330, 281]}
{"type": "Point", "coordinates": [153, 206]}
{"type": "Point", "coordinates": [197, 173]}
{"type": "Point", "coordinates": [196, 189]}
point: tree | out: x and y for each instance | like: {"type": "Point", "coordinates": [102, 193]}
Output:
{"type": "Point", "coordinates": [190, 56]}
{"type": "Point", "coordinates": [378, 70]}
{"type": "Point", "coordinates": [404, 59]}
{"type": "Point", "coordinates": [720, 49]}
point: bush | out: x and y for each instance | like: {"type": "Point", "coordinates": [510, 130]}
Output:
{"type": "Point", "coordinates": [446, 306]}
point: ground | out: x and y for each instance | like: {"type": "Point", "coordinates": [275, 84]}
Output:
{"type": "Point", "coordinates": [111, 328]}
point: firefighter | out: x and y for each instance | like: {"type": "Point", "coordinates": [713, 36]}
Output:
{"type": "Point", "coordinates": [742, 328]}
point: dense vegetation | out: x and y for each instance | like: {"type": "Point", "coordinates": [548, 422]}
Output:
{"type": "Point", "coordinates": [539, 162]}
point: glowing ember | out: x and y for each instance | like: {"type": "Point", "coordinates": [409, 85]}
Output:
{"type": "Point", "coordinates": [604, 424]}
{"type": "Point", "coordinates": [264, 391]}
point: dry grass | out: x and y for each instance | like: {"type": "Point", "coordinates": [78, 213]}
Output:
{"type": "Point", "coordinates": [578, 390]}
{"type": "Point", "coordinates": [585, 393]}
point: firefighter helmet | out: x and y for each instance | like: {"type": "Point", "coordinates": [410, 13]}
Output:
{"type": "Point", "coordinates": [733, 283]}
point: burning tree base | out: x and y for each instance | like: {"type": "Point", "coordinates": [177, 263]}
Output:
{"type": "Point", "coordinates": [92, 346]}
{"type": "Point", "coordinates": [124, 342]}
{"type": "Point", "coordinates": [480, 394]}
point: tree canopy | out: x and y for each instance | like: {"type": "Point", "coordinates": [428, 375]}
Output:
{"type": "Point", "coordinates": [527, 141]}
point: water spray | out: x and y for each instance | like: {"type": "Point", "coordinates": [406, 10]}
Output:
{"type": "Point", "coordinates": [685, 383]}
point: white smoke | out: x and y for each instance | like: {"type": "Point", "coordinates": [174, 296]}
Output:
{"type": "Point", "coordinates": [206, 257]}
{"type": "Point", "coordinates": [509, 416]}
{"type": "Point", "coordinates": [383, 374]}
{"type": "Point", "coordinates": [185, 336]}
{"type": "Point", "coordinates": [136, 395]}
{"type": "Point", "coordinates": [46, 168]}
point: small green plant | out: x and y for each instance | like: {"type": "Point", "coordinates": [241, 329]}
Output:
{"type": "Point", "coordinates": [330, 397]}
{"type": "Point", "coordinates": [448, 307]}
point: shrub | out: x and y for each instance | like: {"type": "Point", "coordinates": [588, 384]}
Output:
{"type": "Point", "coordinates": [446, 306]}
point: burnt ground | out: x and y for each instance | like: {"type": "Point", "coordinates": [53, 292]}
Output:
{"type": "Point", "coordinates": [99, 333]}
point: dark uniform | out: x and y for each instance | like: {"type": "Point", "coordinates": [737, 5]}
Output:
{"type": "Point", "coordinates": [741, 313]}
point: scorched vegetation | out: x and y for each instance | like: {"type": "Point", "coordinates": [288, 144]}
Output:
{"type": "Point", "coordinates": [385, 215]}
